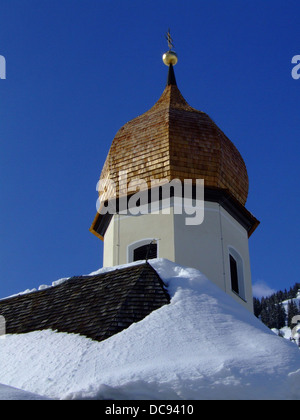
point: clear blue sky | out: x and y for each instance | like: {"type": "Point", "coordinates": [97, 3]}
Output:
{"type": "Point", "coordinates": [77, 70]}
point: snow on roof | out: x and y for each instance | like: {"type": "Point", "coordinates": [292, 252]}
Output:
{"type": "Point", "coordinates": [203, 345]}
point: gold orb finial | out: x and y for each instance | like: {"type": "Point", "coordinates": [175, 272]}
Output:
{"type": "Point", "coordinates": [170, 57]}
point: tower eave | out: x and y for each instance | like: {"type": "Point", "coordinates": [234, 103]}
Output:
{"type": "Point", "coordinates": [222, 196]}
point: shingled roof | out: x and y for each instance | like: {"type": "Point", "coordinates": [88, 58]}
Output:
{"type": "Point", "coordinates": [96, 306]}
{"type": "Point", "coordinates": [170, 141]}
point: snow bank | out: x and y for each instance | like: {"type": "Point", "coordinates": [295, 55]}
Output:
{"type": "Point", "coordinates": [9, 393]}
{"type": "Point", "coordinates": [204, 345]}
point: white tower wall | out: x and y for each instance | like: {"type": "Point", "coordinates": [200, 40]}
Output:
{"type": "Point", "coordinates": [206, 247]}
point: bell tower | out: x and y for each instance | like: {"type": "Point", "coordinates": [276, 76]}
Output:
{"type": "Point", "coordinates": [155, 161]}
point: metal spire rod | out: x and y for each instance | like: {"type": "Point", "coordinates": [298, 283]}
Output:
{"type": "Point", "coordinates": [170, 40]}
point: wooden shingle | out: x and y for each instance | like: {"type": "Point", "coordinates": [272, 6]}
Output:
{"type": "Point", "coordinates": [96, 306]}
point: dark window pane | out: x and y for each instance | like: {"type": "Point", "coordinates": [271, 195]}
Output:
{"type": "Point", "coordinates": [144, 252]}
{"type": "Point", "coordinates": [234, 275]}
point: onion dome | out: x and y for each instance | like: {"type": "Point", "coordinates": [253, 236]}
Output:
{"type": "Point", "coordinates": [175, 141]}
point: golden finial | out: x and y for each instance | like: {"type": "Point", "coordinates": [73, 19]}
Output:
{"type": "Point", "coordinates": [170, 57]}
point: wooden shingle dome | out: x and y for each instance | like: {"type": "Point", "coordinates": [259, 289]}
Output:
{"type": "Point", "coordinates": [175, 141]}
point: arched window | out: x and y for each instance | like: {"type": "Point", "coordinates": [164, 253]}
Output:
{"type": "Point", "coordinates": [236, 273]}
{"type": "Point", "coordinates": [145, 252]}
{"type": "Point", "coordinates": [145, 249]}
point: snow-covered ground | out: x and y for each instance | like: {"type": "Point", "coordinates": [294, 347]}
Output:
{"type": "Point", "coordinates": [9, 393]}
{"type": "Point", "coordinates": [296, 300]}
{"type": "Point", "coordinates": [204, 345]}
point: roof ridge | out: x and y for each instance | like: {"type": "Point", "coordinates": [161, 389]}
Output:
{"type": "Point", "coordinates": [122, 302]}
{"type": "Point", "coordinates": [143, 267]}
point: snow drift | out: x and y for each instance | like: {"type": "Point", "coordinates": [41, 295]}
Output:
{"type": "Point", "coordinates": [9, 393]}
{"type": "Point", "coordinates": [203, 345]}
